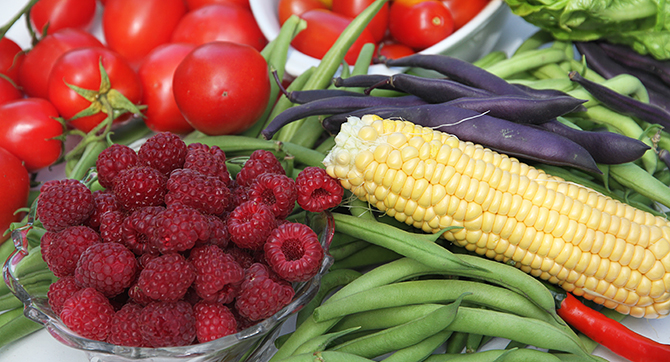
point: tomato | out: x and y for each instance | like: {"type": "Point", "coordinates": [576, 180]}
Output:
{"type": "Point", "coordinates": [80, 67]}
{"type": "Point", "coordinates": [36, 66]}
{"type": "Point", "coordinates": [463, 11]}
{"type": "Point", "coordinates": [323, 29]}
{"type": "Point", "coordinates": [287, 8]}
{"type": "Point", "coordinates": [219, 22]}
{"type": "Point", "coordinates": [8, 91]}
{"type": "Point", "coordinates": [156, 73]}
{"type": "Point", "coordinates": [394, 50]}
{"type": "Point", "coordinates": [14, 190]}
{"type": "Point", "coordinates": [27, 130]}
{"type": "Point", "coordinates": [351, 8]}
{"type": "Point", "coordinates": [222, 97]}
{"type": "Point", "coordinates": [11, 57]}
{"type": "Point", "coordinates": [421, 25]}
{"type": "Point", "coordinates": [61, 14]}
{"type": "Point", "coordinates": [133, 28]}
{"type": "Point", "coordinates": [196, 4]}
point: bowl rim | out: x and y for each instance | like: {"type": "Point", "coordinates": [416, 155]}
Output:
{"type": "Point", "coordinates": [37, 308]}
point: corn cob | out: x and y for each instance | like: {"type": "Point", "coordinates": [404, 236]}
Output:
{"type": "Point", "coordinates": [562, 232]}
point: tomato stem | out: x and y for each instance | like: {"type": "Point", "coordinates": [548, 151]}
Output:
{"type": "Point", "coordinates": [16, 18]}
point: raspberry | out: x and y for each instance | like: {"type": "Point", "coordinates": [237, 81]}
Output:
{"type": "Point", "coordinates": [238, 195]}
{"type": "Point", "coordinates": [213, 321]}
{"type": "Point", "coordinates": [275, 190]}
{"type": "Point", "coordinates": [164, 152]}
{"type": "Point", "coordinates": [112, 160]}
{"type": "Point", "coordinates": [241, 256]}
{"type": "Point", "coordinates": [88, 313]}
{"type": "Point", "coordinates": [59, 291]}
{"type": "Point", "coordinates": [318, 191]}
{"type": "Point", "coordinates": [260, 296]}
{"type": "Point", "coordinates": [138, 229]}
{"type": "Point", "coordinates": [64, 203]}
{"type": "Point", "coordinates": [67, 246]}
{"type": "Point", "coordinates": [137, 295]}
{"type": "Point", "coordinates": [178, 228]}
{"type": "Point", "coordinates": [111, 227]}
{"type": "Point", "coordinates": [166, 324]}
{"type": "Point", "coordinates": [293, 251]}
{"type": "Point", "coordinates": [140, 186]}
{"type": "Point", "coordinates": [218, 232]}
{"type": "Point", "coordinates": [260, 162]}
{"type": "Point", "coordinates": [103, 201]}
{"type": "Point", "coordinates": [125, 327]}
{"type": "Point", "coordinates": [110, 268]}
{"type": "Point", "coordinates": [214, 270]}
{"type": "Point", "coordinates": [209, 161]}
{"type": "Point", "coordinates": [242, 322]}
{"type": "Point", "coordinates": [250, 224]}
{"type": "Point", "coordinates": [166, 278]}
{"type": "Point", "coordinates": [191, 188]}
{"type": "Point", "coordinates": [45, 244]}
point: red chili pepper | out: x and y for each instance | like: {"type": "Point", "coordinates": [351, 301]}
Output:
{"type": "Point", "coordinates": [612, 334]}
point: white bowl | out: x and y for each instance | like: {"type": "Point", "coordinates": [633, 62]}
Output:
{"type": "Point", "coordinates": [470, 42]}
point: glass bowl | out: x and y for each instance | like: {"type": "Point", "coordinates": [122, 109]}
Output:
{"type": "Point", "coordinates": [469, 43]}
{"type": "Point", "coordinates": [255, 343]}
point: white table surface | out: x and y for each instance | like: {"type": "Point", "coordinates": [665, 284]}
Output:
{"type": "Point", "coordinates": [41, 347]}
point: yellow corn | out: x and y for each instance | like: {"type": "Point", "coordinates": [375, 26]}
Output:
{"type": "Point", "coordinates": [568, 234]}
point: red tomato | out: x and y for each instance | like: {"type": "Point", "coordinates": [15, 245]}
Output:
{"type": "Point", "coordinates": [421, 25]}
{"type": "Point", "coordinates": [463, 11]}
{"type": "Point", "coordinates": [133, 28]}
{"type": "Point", "coordinates": [323, 29]}
{"type": "Point", "coordinates": [156, 73]}
{"type": "Point", "coordinates": [14, 189]}
{"type": "Point", "coordinates": [8, 91]}
{"type": "Point", "coordinates": [222, 97]}
{"type": "Point", "coordinates": [11, 57]}
{"type": "Point", "coordinates": [287, 8]}
{"type": "Point", "coordinates": [36, 66]}
{"type": "Point", "coordinates": [222, 23]}
{"type": "Point", "coordinates": [394, 50]}
{"type": "Point", "coordinates": [351, 8]}
{"type": "Point", "coordinates": [27, 130]}
{"type": "Point", "coordinates": [61, 14]}
{"type": "Point", "coordinates": [80, 67]}
{"type": "Point", "coordinates": [195, 4]}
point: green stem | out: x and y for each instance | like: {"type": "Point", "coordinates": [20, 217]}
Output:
{"type": "Point", "coordinates": [5, 28]}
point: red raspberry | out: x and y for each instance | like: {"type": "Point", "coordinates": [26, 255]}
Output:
{"type": "Point", "coordinates": [168, 324]}
{"type": "Point", "coordinates": [103, 201]}
{"type": "Point", "coordinates": [64, 203]}
{"type": "Point", "coordinates": [112, 160]}
{"type": "Point", "coordinates": [242, 322]}
{"type": "Point", "coordinates": [88, 313]}
{"type": "Point", "coordinates": [138, 229]}
{"type": "Point", "coordinates": [275, 190]}
{"type": "Point", "coordinates": [218, 232]}
{"type": "Point", "coordinates": [238, 195]}
{"type": "Point", "coordinates": [261, 296]}
{"type": "Point", "coordinates": [111, 226]}
{"type": "Point", "coordinates": [59, 291]}
{"type": "Point", "coordinates": [214, 270]}
{"type": "Point", "coordinates": [318, 191]}
{"type": "Point", "coordinates": [191, 188]}
{"type": "Point", "coordinates": [250, 224]}
{"type": "Point", "coordinates": [137, 295]}
{"type": "Point", "coordinates": [213, 321]}
{"type": "Point", "coordinates": [164, 151]}
{"type": "Point", "coordinates": [166, 278]}
{"type": "Point", "coordinates": [209, 161]}
{"type": "Point", "coordinates": [140, 186]}
{"type": "Point", "coordinates": [293, 251]}
{"type": "Point", "coordinates": [178, 228]}
{"type": "Point", "coordinates": [260, 162]}
{"type": "Point", "coordinates": [67, 246]}
{"type": "Point", "coordinates": [45, 244]}
{"type": "Point", "coordinates": [241, 256]}
{"type": "Point", "coordinates": [110, 268]}
{"type": "Point", "coordinates": [125, 327]}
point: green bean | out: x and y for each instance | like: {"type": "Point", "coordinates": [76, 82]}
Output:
{"type": "Point", "coordinates": [332, 280]}
{"type": "Point", "coordinates": [87, 159]}
{"type": "Point", "coordinates": [326, 145]}
{"type": "Point", "coordinates": [472, 342]}
{"type": "Point", "coordinates": [404, 335]}
{"type": "Point", "coordinates": [483, 356]}
{"type": "Point", "coordinates": [421, 350]}
{"type": "Point", "coordinates": [9, 301]}
{"type": "Point", "coordinates": [362, 64]}
{"type": "Point", "coordinates": [327, 356]}
{"type": "Point", "coordinates": [634, 177]}
{"type": "Point", "coordinates": [284, 103]}
{"type": "Point", "coordinates": [320, 343]}
{"type": "Point", "coordinates": [8, 315]}
{"type": "Point", "coordinates": [569, 357]}
{"type": "Point", "coordinates": [378, 319]}
{"type": "Point", "coordinates": [565, 85]}
{"type": "Point", "coordinates": [361, 209]}
{"type": "Point", "coordinates": [17, 328]}
{"type": "Point", "coordinates": [348, 249]}
{"type": "Point", "coordinates": [370, 255]}
{"type": "Point", "coordinates": [623, 83]}
{"type": "Point", "coordinates": [456, 344]}
{"type": "Point", "coordinates": [527, 60]}
{"type": "Point", "coordinates": [31, 263]}
{"type": "Point", "coordinates": [515, 344]}
{"type": "Point", "coordinates": [340, 239]}
{"type": "Point", "coordinates": [490, 59]}
{"type": "Point", "coordinates": [534, 41]}
{"type": "Point", "coordinates": [550, 71]}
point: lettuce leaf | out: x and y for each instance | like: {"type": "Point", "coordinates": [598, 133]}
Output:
{"type": "Point", "coordinates": [644, 25]}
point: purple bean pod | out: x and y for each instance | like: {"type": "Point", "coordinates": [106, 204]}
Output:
{"type": "Point", "coordinates": [432, 90]}
{"type": "Point", "coordinates": [629, 57]}
{"type": "Point", "coordinates": [359, 81]}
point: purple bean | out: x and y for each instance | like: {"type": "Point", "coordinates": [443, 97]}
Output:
{"type": "Point", "coordinates": [334, 105]}
{"type": "Point", "coordinates": [633, 59]}
{"type": "Point", "coordinates": [333, 122]}
{"type": "Point", "coordinates": [541, 93]}
{"type": "Point", "coordinates": [622, 103]}
{"type": "Point", "coordinates": [306, 96]}
{"type": "Point", "coordinates": [432, 90]}
{"type": "Point", "coordinates": [362, 81]}
{"type": "Point", "coordinates": [605, 147]}
{"type": "Point", "coordinates": [664, 156]}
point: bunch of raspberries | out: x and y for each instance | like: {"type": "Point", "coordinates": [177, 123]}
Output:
{"type": "Point", "coordinates": [173, 251]}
